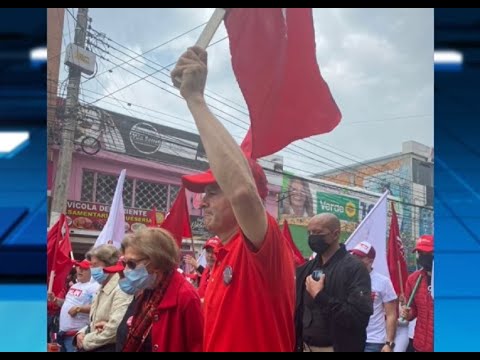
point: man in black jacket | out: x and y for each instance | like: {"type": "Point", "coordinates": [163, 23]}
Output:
{"type": "Point", "coordinates": [334, 300]}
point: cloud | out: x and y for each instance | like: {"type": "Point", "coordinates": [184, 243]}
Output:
{"type": "Point", "coordinates": [377, 62]}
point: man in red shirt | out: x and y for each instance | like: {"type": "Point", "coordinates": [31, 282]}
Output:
{"type": "Point", "coordinates": [422, 304]}
{"type": "Point", "coordinates": [204, 272]}
{"type": "Point", "coordinates": [210, 246]}
{"type": "Point", "coordinates": [249, 301]}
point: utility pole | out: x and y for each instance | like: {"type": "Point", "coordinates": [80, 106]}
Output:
{"type": "Point", "coordinates": [64, 165]}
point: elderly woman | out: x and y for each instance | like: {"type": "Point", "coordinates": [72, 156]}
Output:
{"type": "Point", "coordinates": [167, 314]}
{"type": "Point", "coordinates": [109, 305]}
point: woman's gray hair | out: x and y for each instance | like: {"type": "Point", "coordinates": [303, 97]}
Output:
{"type": "Point", "coordinates": [107, 254]}
{"type": "Point", "coordinates": [158, 245]}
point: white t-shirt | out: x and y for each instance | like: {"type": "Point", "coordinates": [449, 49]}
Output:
{"type": "Point", "coordinates": [79, 294]}
{"type": "Point", "coordinates": [382, 292]}
{"type": "Point", "coordinates": [411, 328]}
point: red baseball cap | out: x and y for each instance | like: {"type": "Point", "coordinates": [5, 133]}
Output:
{"type": "Point", "coordinates": [118, 267]}
{"type": "Point", "coordinates": [424, 243]}
{"type": "Point", "coordinates": [197, 182]}
{"type": "Point", "coordinates": [84, 264]}
{"type": "Point", "coordinates": [364, 249]}
{"type": "Point", "coordinates": [212, 243]}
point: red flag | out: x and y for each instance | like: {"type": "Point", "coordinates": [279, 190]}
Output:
{"type": "Point", "coordinates": [153, 218]}
{"type": "Point", "coordinates": [397, 266]}
{"type": "Point", "coordinates": [246, 145]}
{"type": "Point", "coordinates": [177, 220]}
{"type": "Point", "coordinates": [59, 248]}
{"type": "Point", "coordinates": [274, 61]}
{"type": "Point", "coordinates": [297, 255]}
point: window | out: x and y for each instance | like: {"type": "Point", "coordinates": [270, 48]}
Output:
{"type": "Point", "coordinates": [422, 172]}
{"type": "Point", "coordinates": [429, 196]}
{"type": "Point", "coordinates": [149, 195]}
{"type": "Point", "coordinates": [100, 188]}
{"type": "Point", "coordinates": [88, 186]}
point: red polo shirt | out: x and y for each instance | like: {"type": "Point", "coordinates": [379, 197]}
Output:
{"type": "Point", "coordinates": [251, 310]}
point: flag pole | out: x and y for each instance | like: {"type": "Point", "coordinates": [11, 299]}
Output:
{"type": "Point", "coordinates": [211, 28]}
{"type": "Point", "coordinates": [410, 300]}
{"type": "Point", "coordinates": [207, 34]}
{"type": "Point", "coordinates": [193, 247]}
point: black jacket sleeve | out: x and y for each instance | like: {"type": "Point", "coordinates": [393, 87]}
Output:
{"type": "Point", "coordinates": [355, 310]}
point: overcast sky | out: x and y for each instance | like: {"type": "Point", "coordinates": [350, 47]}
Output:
{"type": "Point", "coordinates": [377, 62]}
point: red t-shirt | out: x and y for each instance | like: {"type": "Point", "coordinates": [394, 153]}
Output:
{"type": "Point", "coordinates": [254, 310]}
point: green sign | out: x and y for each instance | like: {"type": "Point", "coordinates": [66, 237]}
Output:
{"type": "Point", "coordinates": [346, 208]}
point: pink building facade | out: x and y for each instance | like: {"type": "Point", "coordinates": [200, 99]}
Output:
{"type": "Point", "coordinates": [148, 184]}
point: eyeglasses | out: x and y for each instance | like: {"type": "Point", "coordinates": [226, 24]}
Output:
{"type": "Point", "coordinates": [132, 264]}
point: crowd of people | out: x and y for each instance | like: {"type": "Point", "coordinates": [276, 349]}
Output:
{"type": "Point", "coordinates": [250, 296]}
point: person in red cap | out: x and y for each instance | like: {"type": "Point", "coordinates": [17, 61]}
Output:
{"type": "Point", "coordinates": [249, 300]}
{"type": "Point", "coordinates": [421, 307]}
{"type": "Point", "coordinates": [109, 305]}
{"type": "Point", "coordinates": [54, 304]}
{"type": "Point", "coordinates": [204, 272]}
{"type": "Point", "coordinates": [210, 246]}
{"type": "Point", "coordinates": [382, 326]}
{"type": "Point", "coordinates": [76, 306]}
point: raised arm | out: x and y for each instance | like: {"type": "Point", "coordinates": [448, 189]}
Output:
{"type": "Point", "coordinates": [226, 159]}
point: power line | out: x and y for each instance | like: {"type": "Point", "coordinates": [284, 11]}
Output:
{"type": "Point", "coordinates": [304, 155]}
{"type": "Point", "coordinates": [329, 186]}
{"type": "Point", "coordinates": [152, 49]}
{"type": "Point", "coordinates": [325, 149]}
{"type": "Point", "coordinates": [138, 55]}
{"type": "Point", "coordinates": [190, 123]}
{"type": "Point", "coordinates": [245, 113]}
{"type": "Point", "coordinates": [144, 77]}
{"type": "Point", "coordinates": [289, 150]}
{"type": "Point", "coordinates": [142, 55]}
{"type": "Point", "coordinates": [389, 119]}
{"type": "Point", "coordinates": [168, 66]}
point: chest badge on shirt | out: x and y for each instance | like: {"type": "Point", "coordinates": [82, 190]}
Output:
{"type": "Point", "coordinates": [227, 275]}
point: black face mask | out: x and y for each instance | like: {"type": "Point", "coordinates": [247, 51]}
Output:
{"type": "Point", "coordinates": [318, 244]}
{"type": "Point", "coordinates": [425, 261]}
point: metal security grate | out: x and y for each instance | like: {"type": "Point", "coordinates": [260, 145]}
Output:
{"type": "Point", "coordinates": [105, 188]}
{"type": "Point", "coordinates": [148, 195]}
{"type": "Point", "coordinates": [173, 194]}
{"type": "Point", "coordinates": [88, 181]}
{"type": "Point", "coordinates": [140, 194]}
{"type": "Point", "coordinates": [128, 192]}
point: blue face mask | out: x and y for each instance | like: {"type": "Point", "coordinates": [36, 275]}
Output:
{"type": "Point", "coordinates": [136, 280]}
{"type": "Point", "coordinates": [98, 275]}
